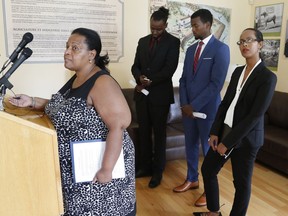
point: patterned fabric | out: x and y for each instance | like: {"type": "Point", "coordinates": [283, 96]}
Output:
{"type": "Point", "coordinates": [74, 121]}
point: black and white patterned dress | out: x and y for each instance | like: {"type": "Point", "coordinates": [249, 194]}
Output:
{"type": "Point", "coordinates": [74, 121]}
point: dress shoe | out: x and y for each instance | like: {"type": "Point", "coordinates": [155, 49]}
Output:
{"type": "Point", "coordinates": [155, 180]}
{"type": "Point", "coordinates": [143, 173]}
{"type": "Point", "coordinates": [207, 214]}
{"type": "Point", "coordinates": [186, 186]}
{"type": "Point", "coordinates": [201, 201]}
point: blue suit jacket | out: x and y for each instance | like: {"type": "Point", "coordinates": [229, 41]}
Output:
{"type": "Point", "coordinates": [202, 88]}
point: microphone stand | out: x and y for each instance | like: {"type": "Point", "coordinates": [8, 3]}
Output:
{"type": "Point", "coordinates": [4, 84]}
{"type": "Point", "coordinates": [3, 87]}
{"type": "Point", "coordinates": [3, 91]}
{"type": "Point", "coordinates": [6, 63]}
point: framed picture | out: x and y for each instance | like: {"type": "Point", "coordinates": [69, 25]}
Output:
{"type": "Point", "coordinates": [268, 19]}
{"type": "Point", "coordinates": [179, 22]}
{"type": "Point", "coordinates": [286, 41]}
{"type": "Point", "coordinates": [270, 53]}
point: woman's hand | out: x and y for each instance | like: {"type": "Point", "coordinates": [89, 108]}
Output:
{"type": "Point", "coordinates": [102, 176]}
{"type": "Point", "coordinates": [21, 100]}
{"type": "Point", "coordinates": [221, 149]}
{"type": "Point", "coordinates": [213, 142]}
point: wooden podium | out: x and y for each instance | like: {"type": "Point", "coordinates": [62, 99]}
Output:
{"type": "Point", "coordinates": [30, 181]}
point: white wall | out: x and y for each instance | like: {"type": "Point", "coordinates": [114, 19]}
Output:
{"type": "Point", "coordinates": [45, 79]}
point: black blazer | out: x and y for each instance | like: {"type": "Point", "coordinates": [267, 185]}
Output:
{"type": "Point", "coordinates": [159, 68]}
{"type": "Point", "coordinates": [254, 100]}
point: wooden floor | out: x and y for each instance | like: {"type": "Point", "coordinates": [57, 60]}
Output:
{"type": "Point", "coordinates": [269, 193]}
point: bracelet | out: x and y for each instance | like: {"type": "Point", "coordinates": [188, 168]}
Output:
{"type": "Point", "coordinates": [33, 103]}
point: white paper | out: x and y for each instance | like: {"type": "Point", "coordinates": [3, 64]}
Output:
{"type": "Point", "coordinates": [87, 160]}
{"type": "Point", "coordinates": [199, 115]}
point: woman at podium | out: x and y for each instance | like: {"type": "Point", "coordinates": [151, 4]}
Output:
{"type": "Point", "coordinates": [90, 108]}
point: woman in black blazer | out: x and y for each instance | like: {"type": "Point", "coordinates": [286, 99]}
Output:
{"type": "Point", "coordinates": [238, 128]}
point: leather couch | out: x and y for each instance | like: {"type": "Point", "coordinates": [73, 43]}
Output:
{"type": "Point", "coordinates": [274, 152]}
{"type": "Point", "coordinates": [175, 143]}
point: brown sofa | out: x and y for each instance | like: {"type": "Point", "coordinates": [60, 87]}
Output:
{"type": "Point", "coordinates": [175, 143]}
{"type": "Point", "coordinates": [274, 152]}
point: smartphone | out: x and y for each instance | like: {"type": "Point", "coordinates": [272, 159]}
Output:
{"type": "Point", "coordinates": [146, 79]}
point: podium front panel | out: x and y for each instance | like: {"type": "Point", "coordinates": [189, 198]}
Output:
{"type": "Point", "coordinates": [30, 181]}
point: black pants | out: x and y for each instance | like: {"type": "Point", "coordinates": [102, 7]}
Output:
{"type": "Point", "coordinates": [152, 121]}
{"type": "Point", "coordinates": [242, 161]}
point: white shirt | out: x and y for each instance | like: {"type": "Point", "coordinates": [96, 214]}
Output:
{"type": "Point", "coordinates": [230, 112]}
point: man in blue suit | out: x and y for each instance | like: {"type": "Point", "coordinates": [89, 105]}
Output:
{"type": "Point", "coordinates": [200, 85]}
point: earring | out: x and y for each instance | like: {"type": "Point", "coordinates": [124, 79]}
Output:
{"type": "Point", "coordinates": [90, 61]}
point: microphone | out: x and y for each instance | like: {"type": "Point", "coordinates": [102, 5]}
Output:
{"type": "Point", "coordinates": [27, 38]}
{"type": "Point", "coordinates": [26, 53]}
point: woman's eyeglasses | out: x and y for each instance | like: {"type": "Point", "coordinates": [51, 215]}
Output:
{"type": "Point", "coordinates": [247, 41]}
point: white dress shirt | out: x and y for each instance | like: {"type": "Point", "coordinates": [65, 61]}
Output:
{"type": "Point", "coordinates": [230, 112]}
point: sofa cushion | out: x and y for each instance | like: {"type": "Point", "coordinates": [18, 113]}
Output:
{"type": "Point", "coordinates": [274, 152]}
{"type": "Point", "coordinates": [276, 141]}
{"type": "Point", "coordinates": [175, 115]}
{"type": "Point", "coordinates": [273, 161]}
{"type": "Point", "coordinates": [129, 95]}
{"type": "Point", "coordinates": [277, 111]}
{"type": "Point", "coordinates": [175, 138]}
{"type": "Point", "coordinates": [175, 141]}
{"type": "Point", "coordinates": [177, 126]}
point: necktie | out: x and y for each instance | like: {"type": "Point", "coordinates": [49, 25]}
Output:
{"type": "Point", "coordinates": [153, 45]}
{"type": "Point", "coordinates": [197, 54]}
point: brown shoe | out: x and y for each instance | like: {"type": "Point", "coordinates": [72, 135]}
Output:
{"type": "Point", "coordinates": [201, 201]}
{"type": "Point", "coordinates": [186, 186]}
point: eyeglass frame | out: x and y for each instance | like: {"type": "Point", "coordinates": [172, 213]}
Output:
{"type": "Point", "coordinates": [247, 41]}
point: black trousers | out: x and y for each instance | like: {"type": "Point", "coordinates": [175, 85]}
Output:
{"type": "Point", "coordinates": [152, 121]}
{"type": "Point", "coordinates": [242, 161]}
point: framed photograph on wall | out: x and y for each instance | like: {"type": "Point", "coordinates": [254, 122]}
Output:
{"type": "Point", "coordinates": [268, 19]}
{"type": "Point", "coordinates": [179, 22]}
{"type": "Point", "coordinates": [286, 41]}
{"type": "Point", "coordinates": [270, 53]}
